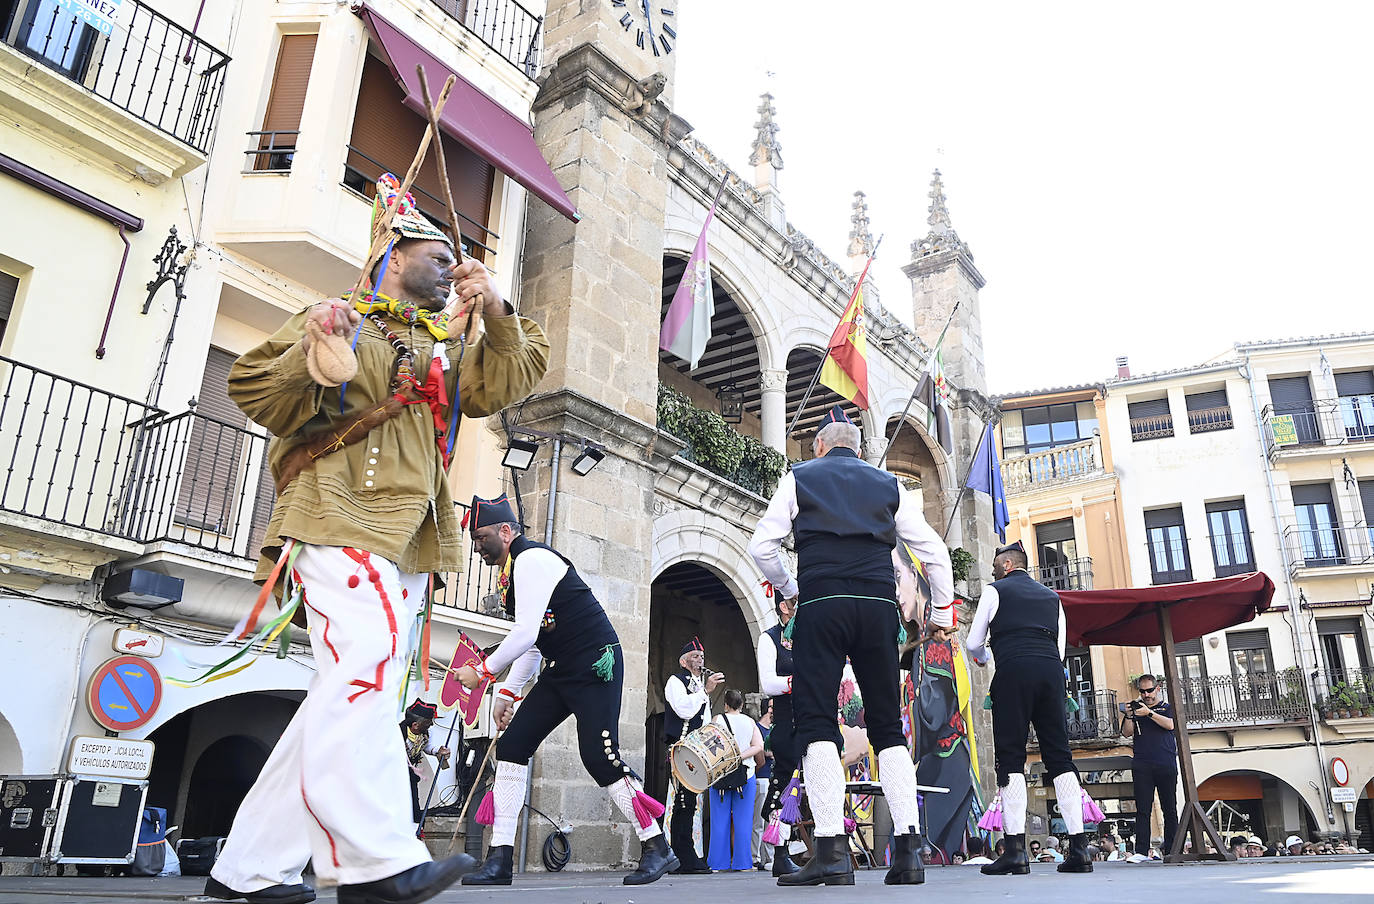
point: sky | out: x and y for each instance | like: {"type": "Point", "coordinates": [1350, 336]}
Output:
{"type": "Point", "coordinates": [1156, 182]}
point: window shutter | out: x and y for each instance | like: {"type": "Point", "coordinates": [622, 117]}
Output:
{"type": "Point", "coordinates": [1054, 531]}
{"type": "Point", "coordinates": [208, 498]}
{"type": "Point", "coordinates": [1291, 393]}
{"type": "Point", "coordinates": [1359, 383]}
{"type": "Point", "coordinates": [1313, 494]}
{"type": "Point", "coordinates": [289, 82]}
{"type": "Point", "coordinates": [1151, 408]}
{"type": "Point", "coordinates": [1188, 647]}
{"type": "Point", "coordinates": [1164, 517]}
{"type": "Point", "coordinates": [1247, 640]}
{"type": "Point", "coordinates": [1338, 626]}
{"type": "Point", "coordinates": [1367, 500]}
{"type": "Point", "coordinates": [1201, 401]}
{"type": "Point", "coordinates": [9, 288]}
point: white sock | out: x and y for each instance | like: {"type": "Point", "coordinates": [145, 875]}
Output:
{"type": "Point", "coordinates": [825, 786]}
{"type": "Point", "coordinates": [623, 796]}
{"type": "Point", "coordinates": [784, 833]}
{"type": "Point", "coordinates": [508, 794]}
{"type": "Point", "coordinates": [1070, 795]}
{"type": "Point", "coordinates": [898, 777]}
{"type": "Point", "coordinates": [1014, 804]}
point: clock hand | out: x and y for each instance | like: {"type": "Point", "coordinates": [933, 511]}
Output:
{"type": "Point", "coordinates": [648, 20]}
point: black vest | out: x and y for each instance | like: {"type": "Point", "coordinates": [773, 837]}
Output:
{"type": "Point", "coordinates": [1026, 625]}
{"type": "Point", "coordinates": [672, 722]}
{"type": "Point", "coordinates": [846, 521]}
{"type": "Point", "coordinates": [574, 622]}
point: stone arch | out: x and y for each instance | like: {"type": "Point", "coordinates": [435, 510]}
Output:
{"type": "Point", "coordinates": [1290, 770]}
{"type": "Point", "coordinates": [738, 283]}
{"type": "Point", "coordinates": [220, 779]}
{"type": "Point", "coordinates": [697, 536]}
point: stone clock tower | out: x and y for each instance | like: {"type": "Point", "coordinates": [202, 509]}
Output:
{"type": "Point", "coordinates": [596, 286]}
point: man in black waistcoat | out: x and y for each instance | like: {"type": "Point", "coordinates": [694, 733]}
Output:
{"type": "Point", "coordinates": [775, 679]}
{"type": "Point", "coordinates": [1023, 621]}
{"type": "Point", "coordinates": [688, 695]}
{"type": "Point", "coordinates": [845, 516]}
{"type": "Point", "coordinates": [559, 619]}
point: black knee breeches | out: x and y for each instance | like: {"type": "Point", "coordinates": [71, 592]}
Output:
{"type": "Point", "coordinates": [1029, 692]}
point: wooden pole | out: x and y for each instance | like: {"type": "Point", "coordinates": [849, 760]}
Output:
{"type": "Point", "coordinates": [476, 783]}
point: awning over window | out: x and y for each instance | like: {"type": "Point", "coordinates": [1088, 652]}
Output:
{"type": "Point", "coordinates": [470, 115]}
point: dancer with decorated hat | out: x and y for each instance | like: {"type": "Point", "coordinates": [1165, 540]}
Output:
{"type": "Point", "coordinates": [560, 620]}
{"type": "Point", "coordinates": [846, 516]}
{"type": "Point", "coordinates": [415, 728]}
{"type": "Point", "coordinates": [363, 517]}
{"type": "Point", "coordinates": [687, 694]}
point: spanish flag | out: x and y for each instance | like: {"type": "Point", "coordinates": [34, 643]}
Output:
{"type": "Point", "coordinates": [846, 364]}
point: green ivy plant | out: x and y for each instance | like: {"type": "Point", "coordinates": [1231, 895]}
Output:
{"type": "Point", "coordinates": [717, 446]}
{"type": "Point", "coordinates": [962, 562]}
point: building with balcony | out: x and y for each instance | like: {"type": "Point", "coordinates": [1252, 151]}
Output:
{"type": "Point", "coordinates": [1258, 461]}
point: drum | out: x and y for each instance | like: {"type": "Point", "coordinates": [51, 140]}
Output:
{"type": "Point", "coordinates": [704, 757]}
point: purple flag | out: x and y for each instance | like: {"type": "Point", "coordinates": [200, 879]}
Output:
{"type": "Point", "coordinates": [687, 328]}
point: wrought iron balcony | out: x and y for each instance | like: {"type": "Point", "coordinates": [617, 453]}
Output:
{"type": "Point", "coordinates": [1340, 421]}
{"type": "Point", "coordinates": [474, 590]}
{"type": "Point", "coordinates": [1155, 426]}
{"type": "Point", "coordinates": [1075, 574]}
{"type": "Point", "coordinates": [1260, 698]}
{"type": "Point", "coordinates": [148, 65]}
{"type": "Point", "coordinates": [1205, 420]}
{"type": "Point", "coordinates": [1094, 720]}
{"type": "Point", "coordinates": [1329, 547]}
{"type": "Point", "coordinates": [503, 25]}
{"type": "Point", "coordinates": [1345, 693]}
{"type": "Point", "coordinates": [1062, 464]}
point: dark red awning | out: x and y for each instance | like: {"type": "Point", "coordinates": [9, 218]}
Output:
{"type": "Point", "coordinates": [470, 115]}
{"type": "Point", "coordinates": [1128, 617]}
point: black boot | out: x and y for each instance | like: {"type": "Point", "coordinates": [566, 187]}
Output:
{"type": "Point", "coordinates": [1077, 859]}
{"type": "Point", "coordinates": [273, 894]}
{"type": "Point", "coordinates": [782, 861]}
{"type": "Point", "coordinates": [1013, 862]}
{"type": "Point", "coordinates": [830, 865]}
{"type": "Point", "coordinates": [419, 883]}
{"type": "Point", "coordinates": [655, 859]}
{"type": "Point", "coordinates": [497, 868]}
{"type": "Point", "coordinates": [906, 868]}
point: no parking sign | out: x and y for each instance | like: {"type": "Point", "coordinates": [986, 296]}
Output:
{"type": "Point", "coordinates": [124, 693]}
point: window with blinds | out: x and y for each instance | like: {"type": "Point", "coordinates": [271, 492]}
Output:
{"type": "Point", "coordinates": [1150, 419]}
{"type": "Point", "coordinates": [1168, 546]}
{"type": "Point", "coordinates": [281, 123]}
{"type": "Point", "coordinates": [385, 136]}
{"type": "Point", "coordinates": [209, 497]}
{"type": "Point", "coordinates": [9, 290]}
{"type": "Point", "coordinates": [1208, 411]}
{"type": "Point", "coordinates": [1355, 392]}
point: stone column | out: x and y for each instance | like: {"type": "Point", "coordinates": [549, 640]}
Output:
{"type": "Point", "coordinates": [774, 409]}
{"type": "Point", "coordinates": [874, 447]}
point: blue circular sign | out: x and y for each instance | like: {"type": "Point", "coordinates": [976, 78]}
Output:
{"type": "Point", "coordinates": [124, 693]}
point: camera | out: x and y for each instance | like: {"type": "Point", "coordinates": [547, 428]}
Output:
{"type": "Point", "coordinates": [1128, 708]}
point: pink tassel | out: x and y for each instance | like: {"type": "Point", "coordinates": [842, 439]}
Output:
{"type": "Point", "coordinates": [849, 826]}
{"type": "Point", "coordinates": [992, 817]}
{"type": "Point", "coordinates": [646, 809]}
{"type": "Point", "coordinates": [791, 801]}
{"type": "Point", "coordinates": [486, 811]}
{"type": "Point", "coordinates": [1091, 811]}
{"type": "Point", "coordinates": [772, 835]}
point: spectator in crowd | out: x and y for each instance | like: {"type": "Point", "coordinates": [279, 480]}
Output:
{"type": "Point", "coordinates": [1000, 847]}
{"type": "Point", "coordinates": [977, 852]}
{"type": "Point", "coordinates": [1254, 846]}
{"type": "Point", "coordinates": [1154, 759]}
{"type": "Point", "coordinates": [1292, 846]}
{"type": "Point", "coordinates": [1035, 850]}
{"type": "Point", "coordinates": [732, 805]}
{"type": "Point", "coordinates": [957, 859]}
{"type": "Point", "coordinates": [763, 853]}
{"type": "Point", "coordinates": [1051, 852]}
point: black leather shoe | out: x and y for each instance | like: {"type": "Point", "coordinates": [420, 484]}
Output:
{"type": "Point", "coordinates": [782, 861]}
{"type": "Point", "coordinates": [497, 869]}
{"type": "Point", "coordinates": [1077, 859]}
{"type": "Point", "coordinates": [655, 859]}
{"type": "Point", "coordinates": [906, 868]}
{"type": "Point", "coordinates": [1012, 863]}
{"type": "Point", "coordinates": [273, 894]}
{"type": "Point", "coordinates": [830, 865]}
{"type": "Point", "coordinates": [696, 868]}
{"type": "Point", "coordinates": [419, 883]}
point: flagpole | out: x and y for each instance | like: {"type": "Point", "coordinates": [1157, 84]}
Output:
{"type": "Point", "coordinates": [964, 484]}
{"type": "Point", "coordinates": [815, 377]}
{"type": "Point", "coordinates": [911, 398]}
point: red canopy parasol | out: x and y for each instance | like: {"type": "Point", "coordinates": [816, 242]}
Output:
{"type": "Point", "coordinates": [1129, 617]}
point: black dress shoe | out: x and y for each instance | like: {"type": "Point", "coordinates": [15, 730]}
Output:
{"type": "Point", "coordinates": [1077, 859]}
{"type": "Point", "coordinates": [906, 868]}
{"type": "Point", "coordinates": [782, 861]}
{"type": "Point", "coordinates": [655, 859]}
{"type": "Point", "coordinates": [419, 883]}
{"type": "Point", "coordinates": [691, 868]}
{"type": "Point", "coordinates": [273, 894]}
{"type": "Point", "coordinates": [497, 869]}
{"type": "Point", "coordinates": [1012, 863]}
{"type": "Point", "coordinates": [830, 865]}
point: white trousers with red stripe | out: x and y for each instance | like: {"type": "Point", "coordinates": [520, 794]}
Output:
{"type": "Point", "coordinates": [335, 788]}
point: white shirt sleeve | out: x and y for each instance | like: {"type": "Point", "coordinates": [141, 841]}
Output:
{"type": "Point", "coordinates": [977, 640]}
{"type": "Point", "coordinates": [1063, 631]}
{"type": "Point", "coordinates": [766, 544]}
{"type": "Point", "coordinates": [913, 530]}
{"type": "Point", "coordinates": [537, 572]}
{"type": "Point", "coordinates": [686, 704]}
{"type": "Point", "coordinates": [770, 682]}
{"type": "Point", "coordinates": [522, 671]}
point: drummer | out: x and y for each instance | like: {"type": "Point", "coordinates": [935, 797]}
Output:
{"type": "Point", "coordinates": [559, 619]}
{"type": "Point", "coordinates": [689, 707]}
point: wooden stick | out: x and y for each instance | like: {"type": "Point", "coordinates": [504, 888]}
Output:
{"type": "Point", "coordinates": [474, 315]}
{"type": "Point", "coordinates": [382, 235]}
{"type": "Point", "coordinates": [476, 783]}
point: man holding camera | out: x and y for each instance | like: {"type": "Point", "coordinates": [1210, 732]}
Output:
{"type": "Point", "coordinates": [1154, 760]}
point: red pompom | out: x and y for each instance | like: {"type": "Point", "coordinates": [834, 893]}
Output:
{"type": "Point", "coordinates": [373, 575]}
{"type": "Point", "coordinates": [352, 581]}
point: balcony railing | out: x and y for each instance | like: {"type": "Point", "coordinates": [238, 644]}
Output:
{"type": "Point", "coordinates": [474, 590]}
{"type": "Point", "coordinates": [1075, 574]}
{"type": "Point", "coordinates": [1329, 547]}
{"type": "Point", "coordinates": [1345, 693]}
{"type": "Point", "coordinates": [1348, 419]}
{"type": "Point", "coordinates": [1155, 426]}
{"type": "Point", "coordinates": [503, 25]}
{"type": "Point", "coordinates": [148, 65]}
{"type": "Point", "coordinates": [1257, 698]}
{"type": "Point", "coordinates": [1052, 466]}
{"type": "Point", "coordinates": [1205, 420]}
{"type": "Point", "coordinates": [1094, 720]}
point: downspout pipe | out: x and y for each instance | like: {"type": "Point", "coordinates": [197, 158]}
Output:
{"type": "Point", "coordinates": [114, 294]}
{"type": "Point", "coordinates": [1294, 604]}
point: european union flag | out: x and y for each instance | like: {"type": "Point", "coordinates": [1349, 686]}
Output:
{"type": "Point", "coordinates": [986, 476]}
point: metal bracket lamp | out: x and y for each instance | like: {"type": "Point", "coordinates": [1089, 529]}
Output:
{"type": "Point", "coordinates": [519, 454]}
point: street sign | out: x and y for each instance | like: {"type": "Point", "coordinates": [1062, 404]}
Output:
{"type": "Point", "coordinates": [124, 693]}
{"type": "Point", "coordinates": [1285, 431]}
{"type": "Point", "coordinates": [111, 757]}
{"type": "Point", "coordinates": [138, 643]}
{"type": "Point", "coordinates": [1340, 772]}
{"type": "Point", "coordinates": [1343, 795]}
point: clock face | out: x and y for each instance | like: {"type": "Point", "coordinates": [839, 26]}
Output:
{"type": "Point", "coordinates": [653, 23]}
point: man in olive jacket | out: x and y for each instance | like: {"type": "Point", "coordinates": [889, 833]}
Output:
{"type": "Point", "coordinates": [363, 501]}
